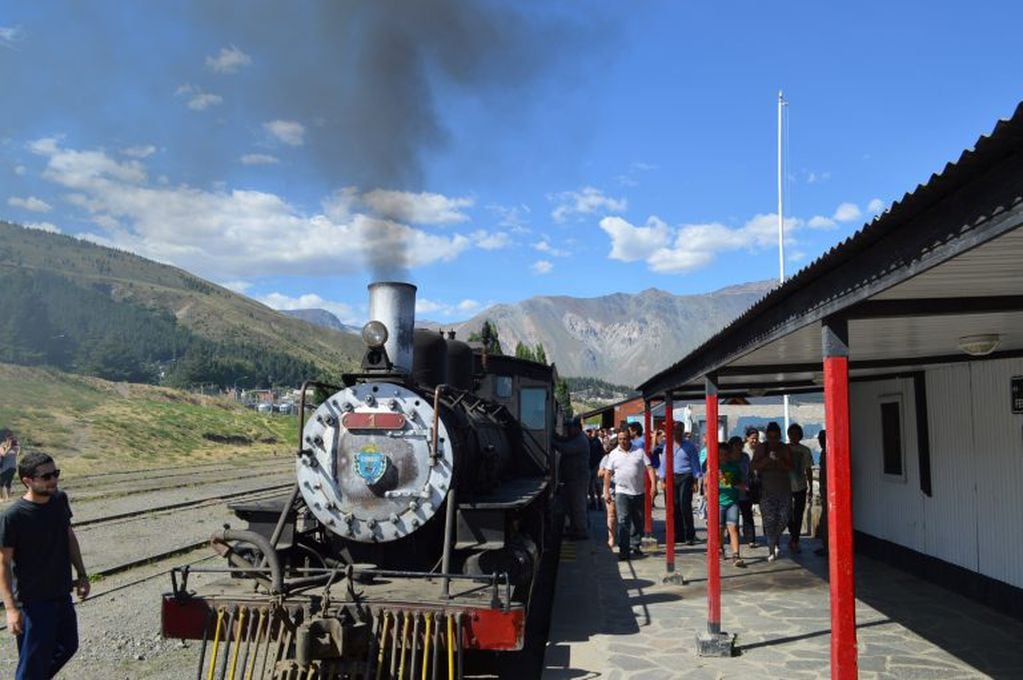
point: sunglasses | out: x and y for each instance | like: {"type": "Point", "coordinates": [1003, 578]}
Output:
{"type": "Point", "coordinates": [48, 476]}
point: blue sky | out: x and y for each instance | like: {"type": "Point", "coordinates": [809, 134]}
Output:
{"type": "Point", "coordinates": [488, 154]}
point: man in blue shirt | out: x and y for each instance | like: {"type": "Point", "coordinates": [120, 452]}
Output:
{"type": "Point", "coordinates": [686, 466]}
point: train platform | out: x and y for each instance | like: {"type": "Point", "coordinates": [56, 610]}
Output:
{"type": "Point", "coordinates": [618, 620]}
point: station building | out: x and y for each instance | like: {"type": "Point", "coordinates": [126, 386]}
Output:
{"type": "Point", "coordinates": [914, 326]}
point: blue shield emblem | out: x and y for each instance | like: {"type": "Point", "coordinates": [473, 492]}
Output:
{"type": "Point", "coordinates": [371, 465]}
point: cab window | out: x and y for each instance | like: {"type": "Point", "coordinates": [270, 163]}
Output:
{"type": "Point", "coordinates": [503, 386]}
{"type": "Point", "coordinates": [533, 408]}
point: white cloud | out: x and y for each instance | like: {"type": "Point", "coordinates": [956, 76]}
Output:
{"type": "Point", "coordinates": [487, 240]}
{"type": "Point", "coordinates": [81, 169]}
{"type": "Point", "coordinates": [821, 222]}
{"type": "Point", "coordinates": [586, 201]}
{"type": "Point", "coordinates": [290, 132]}
{"type": "Point", "coordinates": [847, 212]}
{"type": "Point", "coordinates": [197, 99]}
{"type": "Point", "coordinates": [139, 151]}
{"type": "Point", "coordinates": [690, 246]}
{"type": "Point", "coordinates": [31, 203]}
{"type": "Point", "coordinates": [542, 267]}
{"type": "Point", "coordinates": [630, 243]}
{"type": "Point", "coordinates": [513, 218]}
{"type": "Point", "coordinates": [20, 170]}
{"type": "Point", "coordinates": [10, 35]}
{"type": "Point", "coordinates": [228, 60]}
{"type": "Point", "coordinates": [427, 306]}
{"type": "Point", "coordinates": [544, 246]}
{"type": "Point", "coordinates": [224, 233]}
{"type": "Point", "coordinates": [815, 177]}
{"type": "Point", "coordinates": [341, 310]}
{"type": "Point", "coordinates": [43, 226]}
{"type": "Point", "coordinates": [258, 159]}
{"type": "Point", "coordinates": [629, 177]}
{"type": "Point", "coordinates": [435, 307]}
{"type": "Point", "coordinates": [237, 286]}
{"type": "Point", "coordinates": [417, 208]}
{"type": "Point", "coordinates": [876, 206]}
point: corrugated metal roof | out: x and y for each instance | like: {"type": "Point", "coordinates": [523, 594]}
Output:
{"type": "Point", "coordinates": [1004, 141]}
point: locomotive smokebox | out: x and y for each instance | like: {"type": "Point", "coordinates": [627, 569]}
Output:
{"type": "Point", "coordinates": [394, 304]}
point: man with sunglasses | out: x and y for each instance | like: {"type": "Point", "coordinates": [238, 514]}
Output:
{"type": "Point", "coordinates": [38, 545]}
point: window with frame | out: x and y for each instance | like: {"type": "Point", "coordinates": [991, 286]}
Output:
{"type": "Point", "coordinates": [503, 386]}
{"type": "Point", "coordinates": [533, 408]}
{"type": "Point", "coordinates": [891, 437]}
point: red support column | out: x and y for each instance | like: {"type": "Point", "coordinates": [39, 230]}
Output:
{"type": "Point", "coordinates": [648, 502]}
{"type": "Point", "coordinates": [713, 516]}
{"type": "Point", "coordinates": [835, 340]}
{"type": "Point", "coordinates": [668, 457]}
{"type": "Point", "coordinates": [713, 642]}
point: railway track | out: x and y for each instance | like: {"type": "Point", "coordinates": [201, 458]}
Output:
{"type": "Point", "coordinates": [188, 481]}
{"type": "Point", "coordinates": [172, 470]}
{"type": "Point", "coordinates": [87, 482]}
{"type": "Point", "coordinates": [182, 505]}
{"type": "Point", "coordinates": [173, 551]}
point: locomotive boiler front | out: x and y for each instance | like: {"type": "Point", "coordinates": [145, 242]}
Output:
{"type": "Point", "coordinates": [378, 462]}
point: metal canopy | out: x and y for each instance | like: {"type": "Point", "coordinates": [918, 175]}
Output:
{"type": "Point", "coordinates": [942, 263]}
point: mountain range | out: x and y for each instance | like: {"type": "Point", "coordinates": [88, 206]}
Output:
{"type": "Point", "coordinates": [621, 338]}
{"type": "Point", "coordinates": [85, 308]}
{"type": "Point", "coordinates": [98, 306]}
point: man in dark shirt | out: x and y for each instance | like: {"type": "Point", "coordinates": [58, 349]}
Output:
{"type": "Point", "coordinates": [38, 545]}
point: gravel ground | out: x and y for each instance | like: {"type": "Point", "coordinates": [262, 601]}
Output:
{"type": "Point", "coordinates": [106, 545]}
{"type": "Point", "coordinates": [112, 505]}
{"type": "Point", "coordinates": [119, 631]}
{"type": "Point", "coordinates": [96, 490]}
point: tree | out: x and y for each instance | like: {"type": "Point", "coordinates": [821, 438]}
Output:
{"type": "Point", "coordinates": [522, 351]}
{"type": "Point", "coordinates": [564, 397]}
{"type": "Point", "coordinates": [539, 355]}
{"type": "Point", "coordinates": [488, 336]}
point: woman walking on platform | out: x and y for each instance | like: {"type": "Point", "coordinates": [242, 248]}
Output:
{"type": "Point", "coordinates": [772, 462]}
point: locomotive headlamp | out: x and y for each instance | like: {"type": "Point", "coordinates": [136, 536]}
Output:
{"type": "Point", "coordinates": [374, 334]}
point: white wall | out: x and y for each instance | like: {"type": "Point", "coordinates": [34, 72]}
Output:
{"type": "Point", "coordinates": [974, 517]}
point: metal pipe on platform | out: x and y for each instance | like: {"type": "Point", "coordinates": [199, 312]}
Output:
{"type": "Point", "coordinates": [261, 542]}
{"type": "Point", "coordinates": [449, 537]}
{"type": "Point", "coordinates": [835, 346]}
{"type": "Point", "coordinates": [669, 485]}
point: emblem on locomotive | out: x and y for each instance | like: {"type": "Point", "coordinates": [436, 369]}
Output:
{"type": "Point", "coordinates": [370, 464]}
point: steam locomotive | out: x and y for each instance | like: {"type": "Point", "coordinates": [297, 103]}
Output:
{"type": "Point", "coordinates": [414, 539]}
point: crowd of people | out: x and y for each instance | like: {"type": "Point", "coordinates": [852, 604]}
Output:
{"type": "Point", "coordinates": [774, 474]}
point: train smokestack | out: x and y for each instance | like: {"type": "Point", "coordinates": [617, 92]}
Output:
{"type": "Point", "coordinates": [394, 304]}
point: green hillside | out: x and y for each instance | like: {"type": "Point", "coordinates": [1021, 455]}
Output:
{"type": "Point", "coordinates": [85, 308]}
{"type": "Point", "coordinates": [95, 425]}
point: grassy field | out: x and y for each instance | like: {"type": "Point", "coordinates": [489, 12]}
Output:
{"type": "Point", "coordinates": [92, 425]}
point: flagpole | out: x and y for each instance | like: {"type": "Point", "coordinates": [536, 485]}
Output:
{"type": "Point", "coordinates": [781, 226]}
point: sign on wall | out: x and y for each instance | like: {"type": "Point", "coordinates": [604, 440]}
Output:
{"type": "Point", "coordinates": [1017, 394]}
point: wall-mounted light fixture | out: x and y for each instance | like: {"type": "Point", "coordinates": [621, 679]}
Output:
{"type": "Point", "coordinates": [979, 345]}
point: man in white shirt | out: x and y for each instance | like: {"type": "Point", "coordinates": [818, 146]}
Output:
{"type": "Point", "coordinates": [630, 468]}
